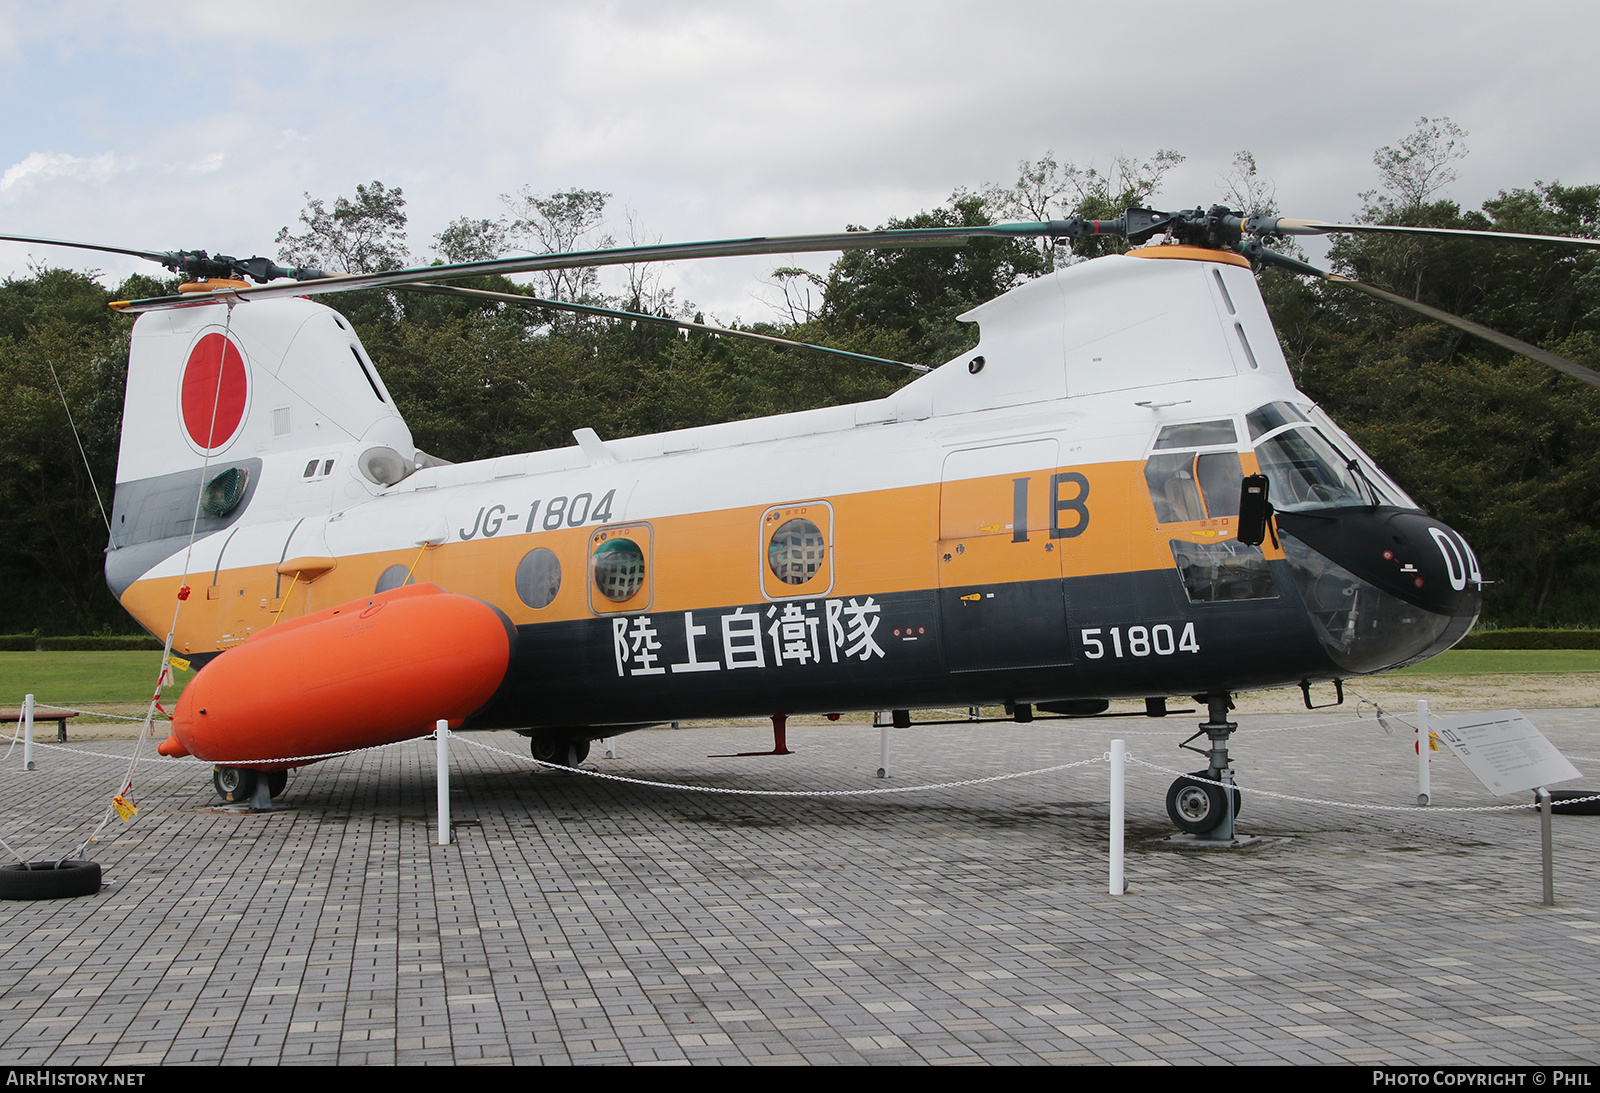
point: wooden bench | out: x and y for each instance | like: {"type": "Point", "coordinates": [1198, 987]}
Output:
{"type": "Point", "coordinates": [42, 713]}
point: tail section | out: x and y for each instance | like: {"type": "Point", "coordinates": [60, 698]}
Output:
{"type": "Point", "coordinates": [269, 411]}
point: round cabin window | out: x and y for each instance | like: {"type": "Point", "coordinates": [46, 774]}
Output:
{"type": "Point", "coordinates": [796, 551]}
{"type": "Point", "coordinates": [538, 577]}
{"type": "Point", "coordinates": [618, 569]}
{"type": "Point", "coordinates": [393, 577]}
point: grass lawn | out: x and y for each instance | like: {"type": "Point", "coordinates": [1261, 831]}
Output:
{"type": "Point", "coordinates": [68, 678]}
{"type": "Point", "coordinates": [1486, 662]}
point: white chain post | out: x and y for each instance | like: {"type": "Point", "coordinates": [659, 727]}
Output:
{"type": "Point", "coordinates": [1543, 796]}
{"type": "Point", "coordinates": [441, 736]}
{"type": "Point", "coordinates": [1119, 769]}
{"type": "Point", "coordinates": [1424, 745]}
{"type": "Point", "coordinates": [27, 733]}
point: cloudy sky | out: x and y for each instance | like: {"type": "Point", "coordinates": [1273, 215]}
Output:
{"type": "Point", "coordinates": [202, 125]}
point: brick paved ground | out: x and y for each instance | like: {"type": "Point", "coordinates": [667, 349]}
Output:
{"type": "Point", "coordinates": [579, 921]}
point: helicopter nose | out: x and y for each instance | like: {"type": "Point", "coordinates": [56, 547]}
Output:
{"type": "Point", "coordinates": [1406, 553]}
{"type": "Point", "coordinates": [1386, 587]}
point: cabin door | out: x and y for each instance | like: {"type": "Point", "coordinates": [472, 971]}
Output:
{"type": "Point", "coordinates": [1002, 603]}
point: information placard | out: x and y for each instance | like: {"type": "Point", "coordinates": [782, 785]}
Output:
{"type": "Point", "coordinates": [1505, 751]}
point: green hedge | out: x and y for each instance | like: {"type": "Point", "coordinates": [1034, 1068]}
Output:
{"type": "Point", "coordinates": [18, 643]}
{"type": "Point", "coordinates": [1528, 638]}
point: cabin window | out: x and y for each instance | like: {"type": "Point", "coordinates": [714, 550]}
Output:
{"type": "Point", "coordinates": [224, 492]}
{"type": "Point", "coordinates": [539, 577]}
{"type": "Point", "coordinates": [394, 577]}
{"type": "Point", "coordinates": [618, 569]}
{"type": "Point", "coordinates": [796, 551]}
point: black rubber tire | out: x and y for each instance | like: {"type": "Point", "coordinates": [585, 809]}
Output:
{"type": "Point", "coordinates": [557, 748]}
{"type": "Point", "coordinates": [49, 880]}
{"type": "Point", "coordinates": [1198, 807]}
{"type": "Point", "coordinates": [235, 785]}
{"type": "Point", "coordinates": [277, 782]}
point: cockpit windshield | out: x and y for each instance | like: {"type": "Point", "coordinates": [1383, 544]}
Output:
{"type": "Point", "coordinates": [1307, 471]}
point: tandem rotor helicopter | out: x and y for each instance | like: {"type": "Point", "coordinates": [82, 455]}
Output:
{"type": "Point", "coordinates": [1118, 494]}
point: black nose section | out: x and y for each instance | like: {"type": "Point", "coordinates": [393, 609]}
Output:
{"type": "Point", "coordinates": [1403, 552]}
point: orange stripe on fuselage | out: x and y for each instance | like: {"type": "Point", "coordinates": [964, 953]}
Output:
{"type": "Point", "coordinates": [883, 541]}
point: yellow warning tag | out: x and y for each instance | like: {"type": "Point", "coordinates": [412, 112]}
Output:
{"type": "Point", "coordinates": [126, 809]}
{"type": "Point", "coordinates": [974, 597]}
{"type": "Point", "coordinates": [179, 663]}
{"type": "Point", "coordinates": [1433, 741]}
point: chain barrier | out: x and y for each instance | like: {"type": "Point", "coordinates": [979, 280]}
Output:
{"type": "Point", "coordinates": [778, 792]}
{"type": "Point", "coordinates": [112, 755]}
{"type": "Point", "coordinates": [884, 791]}
{"type": "Point", "coordinates": [92, 713]}
{"type": "Point", "coordinates": [1351, 804]}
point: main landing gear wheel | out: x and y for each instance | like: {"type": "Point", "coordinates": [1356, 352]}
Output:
{"type": "Point", "coordinates": [236, 785]}
{"type": "Point", "coordinates": [565, 751]}
{"type": "Point", "coordinates": [1198, 807]}
{"type": "Point", "coordinates": [239, 785]}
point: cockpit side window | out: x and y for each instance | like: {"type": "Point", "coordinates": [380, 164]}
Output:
{"type": "Point", "coordinates": [1188, 486]}
{"type": "Point", "coordinates": [1273, 415]}
{"type": "Point", "coordinates": [1172, 488]}
{"type": "Point", "coordinates": [1198, 434]}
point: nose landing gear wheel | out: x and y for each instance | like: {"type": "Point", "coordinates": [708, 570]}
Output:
{"type": "Point", "coordinates": [1198, 807]}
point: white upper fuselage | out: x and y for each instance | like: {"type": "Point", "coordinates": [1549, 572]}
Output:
{"type": "Point", "coordinates": [1098, 355]}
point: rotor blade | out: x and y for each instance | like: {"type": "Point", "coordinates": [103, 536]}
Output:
{"type": "Point", "coordinates": [661, 252]}
{"type": "Point", "coordinates": [612, 313]}
{"type": "Point", "coordinates": [1256, 252]}
{"type": "Point", "coordinates": [1285, 226]}
{"type": "Point", "coordinates": [1504, 341]}
{"type": "Point", "coordinates": [163, 257]}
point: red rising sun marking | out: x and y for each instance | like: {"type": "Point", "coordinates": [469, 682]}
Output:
{"type": "Point", "coordinates": [214, 389]}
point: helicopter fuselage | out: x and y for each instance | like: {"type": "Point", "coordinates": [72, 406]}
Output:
{"type": "Point", "coordinates": [1053, 516]}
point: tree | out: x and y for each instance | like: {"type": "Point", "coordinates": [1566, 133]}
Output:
{"type": "Point", "coordinates": [366, 235]}
{"type": "Point", "coordinates": [915, 294]}
{"type": "Point", "coordinates": [62, 351]}
{"type": "Point", "coordinates": [470, 239]}
{"type": "Point", "coordinates": [1417, 168]}
{"type": "Point", "coordinates": [556, 224]}
{"type": "Point", "coordinates": [1246, 189]}
{"type": "Point", "coordinates": [802, 293]}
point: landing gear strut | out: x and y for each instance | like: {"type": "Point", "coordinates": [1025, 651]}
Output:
{"type": "Point", "coordinates": [1201, 808]}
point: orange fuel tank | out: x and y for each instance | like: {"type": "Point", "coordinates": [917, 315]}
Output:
{"type": "Point", "coordinates": [371, 671]}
